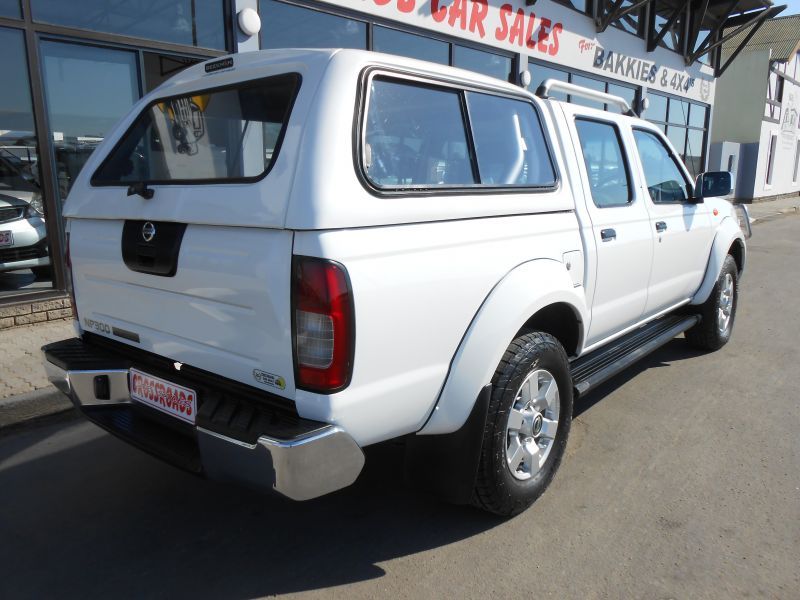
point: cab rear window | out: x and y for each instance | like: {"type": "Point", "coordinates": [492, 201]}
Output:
{"type": "Point", "coordinates": [220, 135]}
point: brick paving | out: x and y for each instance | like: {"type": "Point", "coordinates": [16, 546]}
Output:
{"type": "Point", "coordinates": [21, 368]}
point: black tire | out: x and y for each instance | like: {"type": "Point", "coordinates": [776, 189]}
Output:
{"type": "Point", "coordinates": [42, 272]}
{"type": "Point", "coordinates": [497, 490]}
{"type": "Point", "coordinates": [707, 335]}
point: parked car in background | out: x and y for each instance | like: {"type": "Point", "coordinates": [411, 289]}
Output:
{"type": "Point", "coordinates": [23, 238]}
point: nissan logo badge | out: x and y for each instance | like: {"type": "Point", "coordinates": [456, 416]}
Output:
{"type": "Point", "coordinates": [148, 232]}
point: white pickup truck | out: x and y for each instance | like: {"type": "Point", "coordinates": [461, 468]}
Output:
{"type": "Point", "coordinates": [281, 257]}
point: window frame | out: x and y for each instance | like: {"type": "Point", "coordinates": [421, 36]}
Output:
{"type": "Point", "coordinates": [373, 20]}
{"type": "Point", "coordinates": [769, 170]}
{"type": "Point", "coordinates": [676, 160]}
{"type": "Point", "coordinates": [796, 172]}
{"type": "Point", "coordinates": [19, 14]}
{"type": "Point", "coordinates": [658, 123]}
{"type": "Point", "coordinates": [95, 182]}
{"type": "Point", "coordinates": [371, 44]}
{"type": "Point", "coordinates": [327, 10]}
{"type": "Point", "coordinates": [407, 77]}
{"type": "Point", "coordinates": [139, 43]}
{"type": "Point", "coordinates": [467, 45]}
{"type": "Point", "coordinates": [626, 159]}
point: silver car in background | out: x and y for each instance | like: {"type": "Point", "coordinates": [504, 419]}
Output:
{"type": "Point", "coordinates": [23, 238]}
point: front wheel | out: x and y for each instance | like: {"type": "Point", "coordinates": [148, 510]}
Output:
{"type": "Point", "coordinates": [41, 273]}
{"type": "Point", "coordinates": [719, 311]}
{"type": "Point", "coordinates": [527, 425]}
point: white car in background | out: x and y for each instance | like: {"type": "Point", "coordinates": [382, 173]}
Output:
{"type": "Point", "coordinates": [23, 239]}
{"type": "Point", "coordinates": [23, 236]}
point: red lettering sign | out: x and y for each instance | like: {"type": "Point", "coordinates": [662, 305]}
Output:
{"type": "Point", "coordinates": [521, 30]}
{"type": "Point", "coordinates": [156, 392]}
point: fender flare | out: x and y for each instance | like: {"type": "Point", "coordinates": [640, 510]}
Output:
{"type": "Point", "coordinates": [728, 233]}
{"type": "Point", "coordinates": [522, 293]}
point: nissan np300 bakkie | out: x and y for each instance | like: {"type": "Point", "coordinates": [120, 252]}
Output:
{"type": "Point", "coordinates": [281, 257]}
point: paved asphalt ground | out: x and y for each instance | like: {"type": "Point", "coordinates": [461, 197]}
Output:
{"type": "Point", "coordinates": [682, 480]}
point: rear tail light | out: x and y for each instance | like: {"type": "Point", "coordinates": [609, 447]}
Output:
{"type": "Point", "coordinates": [324, 326]}
{"type": "Point", "coordinates": [68, 278]}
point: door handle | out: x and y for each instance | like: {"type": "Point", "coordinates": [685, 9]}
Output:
{"type": "Point", "coordinates": [661, 226]}
{"type": "Point", "coordinates": [608, 234]}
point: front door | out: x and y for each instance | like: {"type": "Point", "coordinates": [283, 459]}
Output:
{"type": "Point", "coordinates": [682, 230]}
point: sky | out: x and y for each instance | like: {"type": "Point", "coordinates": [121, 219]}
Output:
{"type": "Point", "coordinates": [792, 7]}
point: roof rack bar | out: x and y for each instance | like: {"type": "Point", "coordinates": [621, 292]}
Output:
{"type": "Point", "coordinates": [554, 85]}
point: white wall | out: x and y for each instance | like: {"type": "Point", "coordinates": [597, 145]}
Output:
{"type": "Point", "coordinates": [784, 176]}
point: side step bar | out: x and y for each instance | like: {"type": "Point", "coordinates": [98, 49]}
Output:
{"type": "Point", "coordinates": [593, 369]}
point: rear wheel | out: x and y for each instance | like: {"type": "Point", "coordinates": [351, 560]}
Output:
{"type": "Point", "coordinates": [41, 272]}
{"type": "Point", "coordinates": [719, 311]}
{"type": "Point", "coordinates": [527, 425]}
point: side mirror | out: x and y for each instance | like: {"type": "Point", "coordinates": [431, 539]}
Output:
{"type": "Point", "coordinates": [711, 184]}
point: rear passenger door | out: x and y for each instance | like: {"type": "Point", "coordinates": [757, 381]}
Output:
{"type": "Point", "coordinates": [681, 228]}
{"type": "Point", "coordinates": [620, 228]}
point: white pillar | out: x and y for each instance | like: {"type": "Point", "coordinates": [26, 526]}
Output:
{"type": "Point", "coordinates": [244, 43]}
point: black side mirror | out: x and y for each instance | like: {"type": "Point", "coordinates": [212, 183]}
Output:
{"type": "Point", "coordinates": [711, 184]}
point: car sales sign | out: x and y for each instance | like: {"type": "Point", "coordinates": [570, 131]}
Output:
{"type": "Point", "coordinates": [552, 33]}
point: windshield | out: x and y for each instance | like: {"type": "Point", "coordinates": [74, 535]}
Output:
{"type": "Point", "coordinates": [224, 134]}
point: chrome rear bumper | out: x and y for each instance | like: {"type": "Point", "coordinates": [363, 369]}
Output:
{"type": "Point", "coordinates": [316, 461]}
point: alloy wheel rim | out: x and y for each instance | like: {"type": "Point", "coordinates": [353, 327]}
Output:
{"type": "Point", "coordinates": [725, 305]}
{"type": "Point", "coordinates": [532, 424]}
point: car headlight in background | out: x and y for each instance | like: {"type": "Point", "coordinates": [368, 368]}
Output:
{"type": "Point", "coordinates": [35, 207]}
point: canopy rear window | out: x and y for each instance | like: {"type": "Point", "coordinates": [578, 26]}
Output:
{"type": "Point", "coordinates": [225, 134]}
{"type": "Point", "coordinates": [423, 137]}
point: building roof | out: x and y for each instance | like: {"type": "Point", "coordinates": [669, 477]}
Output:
{"type": "Point", "coordinates": [781, 34]}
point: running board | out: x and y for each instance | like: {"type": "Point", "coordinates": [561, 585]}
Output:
{"type": "Point", "coordinates": [596, 367]}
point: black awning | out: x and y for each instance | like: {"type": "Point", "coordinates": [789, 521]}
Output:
{"type": "Point", "coordinates": [711, 23]}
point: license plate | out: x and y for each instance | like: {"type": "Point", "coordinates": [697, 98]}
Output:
{"type": "Point", "coordinates": [163, 395]}
{"type": "Point", "coordinates": [6, 238]}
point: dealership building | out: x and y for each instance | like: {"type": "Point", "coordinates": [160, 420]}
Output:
{"type": "Point", "coordinates": [72, 69]}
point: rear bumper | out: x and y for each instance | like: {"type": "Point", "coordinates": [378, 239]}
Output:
{"type": "Point", "coordinates": [303, 460]}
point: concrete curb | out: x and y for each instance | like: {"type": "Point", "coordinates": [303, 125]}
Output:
{"type": "Point", "coordinates": [32, 405]}
{"type": "Point", "coordinates": [791, 210]}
